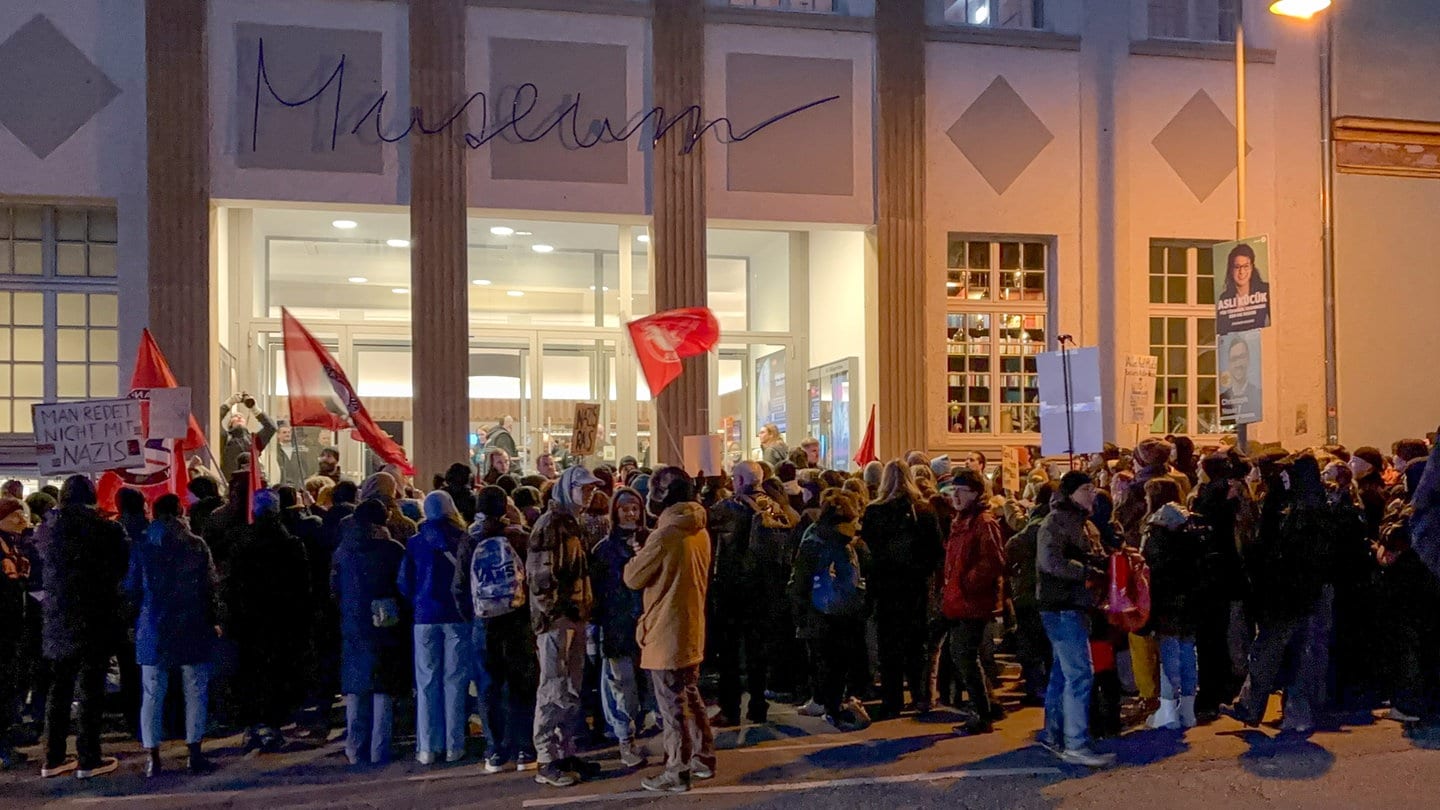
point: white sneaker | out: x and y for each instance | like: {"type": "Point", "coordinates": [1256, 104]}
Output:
{"type": "Point", "coordinates": [1086, 757]}
{"type": "Point", "coordinates": [1187, 712]}
{"type": "Point", "coordinates": [811, 709]}
{"type": "Point", "coordinates": [1166, 717]}
{"type": "Point", "coordinates": [425, 758]}
{"type": "Point", "coordinates": [1400, 717]}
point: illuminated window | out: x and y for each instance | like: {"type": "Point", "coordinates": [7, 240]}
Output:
{"type": "Point", "coordinates": [822, 6]}
{"type": "Point", "coordinates": [989, 13]}
{"type": "Point", "coordinates": [1182, 339]}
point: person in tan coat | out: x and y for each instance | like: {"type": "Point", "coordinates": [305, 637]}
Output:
{"type": "Point", "coordinates": [673, 569]}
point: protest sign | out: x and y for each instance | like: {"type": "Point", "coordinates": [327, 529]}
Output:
{"type": "Point", "coordinates": [1140, 388]}
{"type": "Point", "coordinates": [587, 424]}
{"type": "Point", "coordinates": [94, 436]}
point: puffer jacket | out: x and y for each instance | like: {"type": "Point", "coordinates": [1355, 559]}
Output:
{"type": "Point", "coordinates": [557, 571]}
{"type": "Point", "coordinates": [429, 571]}
{"type": "Point", "coordinates": [974, 568]}
{"type": "Point", "coordinates": [1180, 575]}
{"type": "Point", "coordinates": [1068, 557]}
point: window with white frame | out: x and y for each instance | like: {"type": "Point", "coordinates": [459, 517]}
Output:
{"type": "Point", "coordinates": [59, 308]}
{"type": "Point", "coordinates": [1200, 20]}
{"type": "Point", "coordinates": [996, 318]}
{"type": "Point", "coordinates": [821, 6]}
{"type": "Point", "coordinates": [989, 13]}
{"type": "Point", "coordinates": [1182, 338]}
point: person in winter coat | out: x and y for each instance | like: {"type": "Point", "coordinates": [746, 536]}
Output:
{"type": "Point", "coordinates": [558, 577]}
{"type": "Point", "coordinates": [267, 596]}
{"type": "Point", "coordinates": [84, 560]}
{"type": "Point", "coordinates": [1221, 611]}
{"type": "Point", "coordinates": [672, 569]}
{"type": "Point", "coordinates": [903, 535]}
{"type": "Point", "coordinates": [442, 636]}
{"type": "Point", "coordinates": [15, 576]}
{"type": "Point", "coordinates": [134, 518]}
{"type": "Point", "coordinates": [616, 614]}
{"type": "Point", "coordinates": [1070, 561]}
{"type": "Point", "coordinates": [173, 582]}
{"type": "Point", "coordinates": [1354, 576]}
{"type": "Point", "coordinates": [1368, 466]}
{"type": "Point", "coordinates": [503, 645]}
{"type": "Point", "coordinates": [1175, 551]}
{"type": "Point", "coordinates": [382, 485]}
{"type": "Point", "coordinates": [310, 531]}
{"type": "Point", "coordinates": [1032, 645]}
{"type": "Point", "coordinates": [374, 651]}
{"type": "Point", "coordinates": [460, 483]}
{"type": "Point", "coordinates": [973, 594]}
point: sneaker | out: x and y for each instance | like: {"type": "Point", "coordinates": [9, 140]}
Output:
{"type": "Point", "coordinates": [525, 761]}
{"type": "Point", "coordinates": [552, 774]}
{"type": "Point", "coordinates": [631, 757]}
{"type": "Point", "coordinates": [699, 771]}
{"type": "Point", "coordinates": [1234, 712]}
{"type": "Point", "coordinates": [1086, 757]}
{"type": "Point", "coordinates": [811, 709]}
{"type": "Point", "coordinates": [1044, 740]}
{"type": "Point", "coordinates": [425, 758]}
{"type": "Point", "coordinates": [974, 728]}
{"type": "Point", "coordinates": [667, 782]}
{"type": "Point", "coordinates": [454, 756]}
{"type": "Point", "coordinates": [582, 768]}
{"type": "Point", "coordinates": [494, 763]}
{"type": "Point", "coordinates": [51, 771]}
{"type": "Point", "coordinates": [1400, 717]}
{"type": "Point", "coordinates": [104, 766]}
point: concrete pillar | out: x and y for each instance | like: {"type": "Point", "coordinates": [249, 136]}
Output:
{"type": "Point", "coordinates": [900, 235]}
{"type": "Point", "coordinates": [678, 239]}
{"type": "Point", "coordinates": [439, 293]}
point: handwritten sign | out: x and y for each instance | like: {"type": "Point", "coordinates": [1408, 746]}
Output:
{"type": "Point", "coordinates": [169, 412]}
{"type": "Point", "coordinates": [1010, 470]}
{"type": "Point", "coordinates": [1139, 388]}
{"type": "Point", "coordinates": [74, 437]}
{"type": "Point", "coordinates": [587, 425]}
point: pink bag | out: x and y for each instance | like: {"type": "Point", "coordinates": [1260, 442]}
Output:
{"type": "Point", "coordinates": [1129, 604]}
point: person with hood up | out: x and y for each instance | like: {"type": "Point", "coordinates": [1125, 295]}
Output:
{"type": "Point", "coordinates": [384, 487]}
{"type": "Point", "coordinates": [558, 577]}
{"type": "Point", "coordinates": [1071, 564]}
{"type": "Point", "coordinates": [1175, 549]}
{"type": "Point", "coordinates": [83, 560]}
{"type": "Point", "coordinates": [673, 570]}
{"type": "Point", "coordinates": [442, 637]}
{"type": "Point", "coordinates": [374, 654]}
{"type": "Point", "coordinates": [460, 483]}
{"type": "Point", "coordinates": [1368, 467]}
{"type": "Point", "coordinates": [972, 594]}
{"type": "Point", "coordinates": [616, 614]}
{"type": "Point", "coordinates": [173, 582]}
{"type": "Point", "coordinates": [1217, 504]}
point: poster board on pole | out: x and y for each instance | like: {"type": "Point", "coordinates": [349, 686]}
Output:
{"type": "Point", "coordinates": [1242, 285]}
{"type": "Point", "coordinates": [704, 455]}
{"type": "Point", "coordinates": [93, 436]}
{"type": "Point", "coordinates": [169, 412]}
{"type": "Point", "coordinates": [1079, 407]}
{"type": "Point", "coordinates": [587, 426]}
{"type": "Point", "coordinates": [1140, 370]}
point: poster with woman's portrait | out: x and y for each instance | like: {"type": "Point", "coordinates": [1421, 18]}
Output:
{"type": "Point", "coordinates": [1242, 287]}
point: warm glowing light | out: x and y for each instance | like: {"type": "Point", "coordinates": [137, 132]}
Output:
{"type": "Point", "coordinates": [501, 230]}
{"type": "Point", "coordinates": [1302, 9]}
{"type": "Point", "coordinates": [643, 238]}
{"type": "Point", "coordinates": [345, 224]}
{"type": "Point", "coordinates": [481, 282]}
{"type": "Point", "coordinates": [515, 293]}
{"type": "Point", "coordinates": [357, 279]}
{"type": "Point", "coordinates": [398, 243]}
{"type": "Point", "coordinates": [543, 248]}
{"type": "Point", "coordinates": [400, 290]}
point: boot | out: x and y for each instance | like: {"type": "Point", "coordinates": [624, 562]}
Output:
{"type": "Point", "coordinates": [1166, 717]}
{"type": "Point", "coordinates": [152, 763]}
{"type": "Point", "coordinates": [1187, 711]}
{"type": "Point", "coordinates": [197, 762]}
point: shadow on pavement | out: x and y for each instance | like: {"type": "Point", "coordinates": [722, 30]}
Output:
{"type": "Point", "coordinates": [862, 754]}
{"type": "Point", "coordinates": [1286, 756]}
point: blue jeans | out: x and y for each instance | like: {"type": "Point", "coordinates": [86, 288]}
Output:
{"type": "Point", "coordinates": [1179, 676]}
{"type": "Point", "coordinates": [505, 680]}
{"type": "Point", "coordinates": [155, 682]}
{"type": "Point", "coordinates": [620, 693]}
{"type": "Point", "coordinates": [442, 680]}
{"type": "Point", "coordinates": [369, 719]}
{"type": "Point", "coordinates": [1072, 675]}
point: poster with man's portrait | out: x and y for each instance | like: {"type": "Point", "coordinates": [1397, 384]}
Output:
{"type": "Point", "coordinates": [1242, 285]}
{"type": "Point", "coordinates": [1241, 396]}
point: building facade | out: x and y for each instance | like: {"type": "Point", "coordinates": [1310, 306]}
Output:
{"type": "Point", "coordinates": [897, 206]}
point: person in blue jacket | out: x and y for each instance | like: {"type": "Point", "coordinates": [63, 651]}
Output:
{"type": "Point", "coordinates": [172, 581]}
{"type": "Point", "coordinates": [442, 636]}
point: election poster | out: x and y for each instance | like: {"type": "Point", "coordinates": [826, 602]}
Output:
{"type": "Point", "coordinates": [1242, 285]}
{"type": "Point", "coordinates": [94, 436]}
{"type": "Point", "coordinates": [1140, 388]}
{"type": "Point", "coordinates": [1241, 395]}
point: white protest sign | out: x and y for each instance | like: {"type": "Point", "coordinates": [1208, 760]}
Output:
{"type": "Point", "coordinates": [169, 413]}
{"type": "Point", "coordinates": [1071, 412]}
{"type": "Point", "coordinates": [1139, 388]}
{"type": "Point", "coordinates": [73, 437]}
{"type": "Point", "coordinates": [704, 455]}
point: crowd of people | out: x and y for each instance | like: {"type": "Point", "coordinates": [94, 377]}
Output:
{"type": "Point", "coordinates": [565, 606]}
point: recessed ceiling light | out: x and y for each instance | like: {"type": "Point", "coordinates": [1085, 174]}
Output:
{"type": "Point", "coordinates": [345, 224]}
{"type": "Point", "coordinates": [602, 289]}
{"type": "Point", "coordinates": [400, 290]}
{"type": "Point", "coordinates": [398, 243]}
{"type": "Point", "coordinates": [543, 248]}
{"type": "Point", "coordinates": [501, 230]}
{"type": "Point", "coordinates": [481, 282]}
{"type": "Point", "coordinates": [524, 233]}
{"type": "Point", "coordinates": [644, 237]}
{"type": "Point", "coordinates": [515, 293]}
{"type": "Point", "coordinates": [357, 279]}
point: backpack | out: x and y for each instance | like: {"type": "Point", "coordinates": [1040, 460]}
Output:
{"type": "Point", "coordinates": [837, 589]}
{"type": "Point", "coordinates": [497, 578]}
{"type": "Point", "coordinates": [1129, 606]}
{"type": "Point", "coordinates": [769, 536]}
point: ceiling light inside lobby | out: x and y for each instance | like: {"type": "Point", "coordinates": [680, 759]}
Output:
{"type": "Point", "coordinates": [501, 230]}
{"type": "Point", "coordinates": [398, 243]}
{"type": "Point", "coordinates": [345, 224]}
{"type": "Point", "coordinates": [543, 248]}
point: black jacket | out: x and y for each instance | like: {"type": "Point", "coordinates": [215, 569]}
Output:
{"type": "Point", "coordinates": [823, 542]}
{"type": "Point", "coordinates": [905, 549]}
{"type": "Point", "coordinates": [1068, 556]}
{"type": "Point", "coordinates": [1175, 550]}
{"type": "Point", "coordinates": [238, 441]}
{"type": "Point", "coordinates": [464, 498]}
{"type": "Point", "coordinates": [1292, 561]}
{"type": "Point", "coordinates": [84, 560]}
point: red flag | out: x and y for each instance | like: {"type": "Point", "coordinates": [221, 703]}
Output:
{"type": "Point", "coordinates": [254, 476]}
{"type": "Point", "coordinates": [164, 471]}
{"type": "Point", "coordinates": [664, 339]}
{"type": "Point", "coordinates": [865, 453]}
{"type": "Point", "coordinates": [321, 396]}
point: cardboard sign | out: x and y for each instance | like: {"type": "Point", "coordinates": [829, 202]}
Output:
{"type": "Point", "coordinates": [94, 436]}
{"type": "Point", "coordinates": [587, 425]}
{"type": "Point", "coordinates": [169, 412]}
{"type": "Point", "coordinates": [704, 455]}
{"type": "Point", "coordinates": [1140, 388]}
{"type": "Point", "coordinates": [1010, 470]}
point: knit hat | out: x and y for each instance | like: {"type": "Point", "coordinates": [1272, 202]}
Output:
{"type": "Point", "coordinates": [1153, 452]}
{"type": "Point", "coordinates": [9, 506]}
{"type": "Point", "coordinates": [940, 465]}
{"type": "Point", "coordinates": [1072, 481]}
{"type": "Point", "coordinates": [491, 502]}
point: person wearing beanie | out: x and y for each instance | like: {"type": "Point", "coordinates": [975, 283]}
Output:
{"type": "Point", "coordinates": [972, 593]}
{"type": "Point", "coordinates": [1069, 559]}
{"type": "Point", "coordinates": [616, 614]}
{"type": "Point", "coordinates": [871, 475]}
{"type": "Point", "coordinates": [1368, 467]}
{"type": "Point", "coordinates": [944, 473]}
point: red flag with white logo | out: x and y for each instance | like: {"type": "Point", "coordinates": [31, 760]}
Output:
{"type": "Point", "coordinates": [321, 396]}
{"type": "Point", "coordinates": [664, 339]}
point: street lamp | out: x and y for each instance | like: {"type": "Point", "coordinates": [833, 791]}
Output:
{"type": "Point", "coordinates": [1301, 9]}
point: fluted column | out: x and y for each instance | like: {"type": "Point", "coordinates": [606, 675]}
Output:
{"type": "Point", "coordinates": [438, 292]}
{"type": "Point", "coordinates": [900, 237]}
{"type": "Point", "coordinates": [678, 241]}
{"type": "Point", "coordinates": [177, 133]}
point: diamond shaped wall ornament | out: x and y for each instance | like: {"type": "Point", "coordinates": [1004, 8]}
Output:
{"type": "Point", "coordinates": [1199, 144]}
{"type": "Point", "coordinates": [53, 88]}
{"type": "Point", "coordinates": [1000, 135]}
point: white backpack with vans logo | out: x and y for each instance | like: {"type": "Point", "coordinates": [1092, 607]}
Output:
{"type": "Point", "coordinates": [497, 578]}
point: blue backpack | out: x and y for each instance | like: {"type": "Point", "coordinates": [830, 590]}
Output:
{"type": "Point", "coordinates": [837, 588]}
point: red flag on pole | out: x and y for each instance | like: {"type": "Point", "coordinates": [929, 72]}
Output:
{"type": "Point", "coordinates": [321, 396]}
{"type": "Point", "coordinates": [664, 339]}
{"type": "Point", "coordinates": [865, 453]}
{"type": "Point", "coordinates": [164, 471]}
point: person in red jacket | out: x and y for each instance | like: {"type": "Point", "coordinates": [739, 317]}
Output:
{"type": "Point", "coordinates": [972, 595]}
